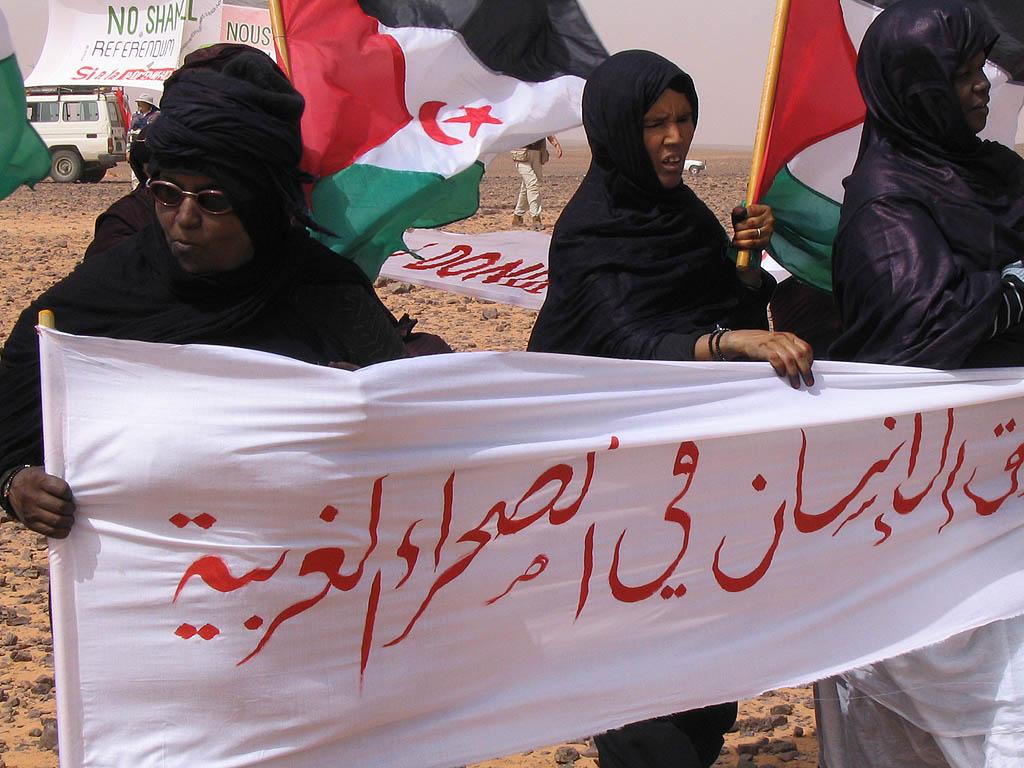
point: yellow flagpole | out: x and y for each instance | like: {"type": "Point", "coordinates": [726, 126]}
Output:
{"type": "Point", "coordinates": [277, 26]}
{"type": "Point", "coordinates": [764, 120]}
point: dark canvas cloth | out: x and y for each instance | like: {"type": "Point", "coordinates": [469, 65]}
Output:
{"type": "Point", "coordinates": [532, 40]}
{"type": "Point", "coordinates": [305, 303]}
{"type": "Point", "coordinates": [684, 740]}
{"type": "Point", "coordinates": [932, 213]}
{"type": "Point", "coordinates": [131, 214]}
{"type": "Point", "coordinates": [807, 312]}
{"type": "Point", "coordinates": [636, 270]}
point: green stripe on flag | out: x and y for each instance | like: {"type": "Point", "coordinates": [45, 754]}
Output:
{"type": "Point", "coordinates": [805, 226]}
{"type": "Point", "coordinates": [24, 158]}
{"type": "Point", "coordinates": [369, 208]}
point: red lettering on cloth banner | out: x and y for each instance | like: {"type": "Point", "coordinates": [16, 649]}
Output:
{"type": "Point", "coordinates": [686, 465]}
{"type": "Point", "coordinates": [556, 496]}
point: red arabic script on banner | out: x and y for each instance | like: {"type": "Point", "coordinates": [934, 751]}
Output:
{"type": "Point", "coordinates": [384, 564]}
{"type": "Point", "coordinates": [907, 470]}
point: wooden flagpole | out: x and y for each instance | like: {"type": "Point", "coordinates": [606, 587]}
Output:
{"type": "Point", "coordinates": [277, 26]}
{"type": "Point", "coordinates": [764, 120]}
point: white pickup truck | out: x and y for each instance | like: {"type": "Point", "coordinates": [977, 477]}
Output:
{"type": "Point", "coordinates": [84, 131]}
{"type": "Point", "coordinates": [694, 167]}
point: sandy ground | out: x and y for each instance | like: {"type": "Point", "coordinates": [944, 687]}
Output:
{"type": "Point", "coordinates": [43, 233]}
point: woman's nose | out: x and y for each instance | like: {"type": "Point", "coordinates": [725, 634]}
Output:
{"type": "Point", "coordinates": [189, 214]}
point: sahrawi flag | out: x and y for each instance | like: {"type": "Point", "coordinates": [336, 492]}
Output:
{"type": "Point", "coordinates": [24, 158]}
{"type": "Point", "coordinates": [405, 101]}
{"type": "Point", "coordinates": [816, 125]}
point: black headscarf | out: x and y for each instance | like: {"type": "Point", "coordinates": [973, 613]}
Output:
{"type": "Point", "coordinates": [294, 298]}
{"type": "Point", "coordinates": [230, 113]}
{"type": "Point", "coordinates": [932, 212]}
{"type": "Point", "coordinates": [636, 270]}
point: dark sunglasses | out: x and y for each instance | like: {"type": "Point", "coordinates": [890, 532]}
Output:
{"type": "Point", "coordinates": [213, 201]}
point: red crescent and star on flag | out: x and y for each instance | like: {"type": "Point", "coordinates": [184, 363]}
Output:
{"type": "Point", "coordinates": [475, 117]}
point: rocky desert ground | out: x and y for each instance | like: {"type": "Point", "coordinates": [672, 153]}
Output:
{"type": "Point", "coordinates": [43, 233]}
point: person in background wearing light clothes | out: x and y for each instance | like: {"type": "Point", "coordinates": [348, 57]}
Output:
{"type": "Point", "coordinates": [529, 162]}
{"type": "Point", "coordinates": [146, 111]}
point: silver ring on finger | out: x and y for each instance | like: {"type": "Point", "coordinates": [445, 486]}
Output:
{"type": "Point", "coordinates": [758, 233]}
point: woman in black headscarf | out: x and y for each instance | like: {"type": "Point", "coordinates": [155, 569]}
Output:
{"type": "Point", "coordinates": [638, 264]}
{"type": "Point", "coordinates": [225, 259]}
{"type": "Point", "coordinates": [926, 272]}
{"type": "Point", "coordinates": [933, 215]}
{"type": "Point", "coordinates": [639, 270]}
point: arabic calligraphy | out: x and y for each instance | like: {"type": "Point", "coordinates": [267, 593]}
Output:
{"type": "Point", "coordinates": [916, 457]}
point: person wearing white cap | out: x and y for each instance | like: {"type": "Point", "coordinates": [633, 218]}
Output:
{"type": "Point", "coordinates": [145, 113]}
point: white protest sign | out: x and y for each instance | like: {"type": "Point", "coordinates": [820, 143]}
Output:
{"type": "Point", "coordinates": [202, 25]}
{"type": "Point", "coordinates": [508, 267]}
{"type": "Point", "coordinates": [249, 26]}
{"type": "Point", "coordinates": [122, 42]}
{"type": "Point", "coordinates": [432, 561]}
{"type": "Point", "coordinates": [110, 43]}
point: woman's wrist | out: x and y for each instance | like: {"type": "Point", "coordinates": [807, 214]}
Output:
{"type": "Point", "coordinates": [725, 349]}
{"type": "Point", "coordinates": [709, 346]}
{"type": "Point", "coordinates": [6, 484]}
{"type": "Point", "coordinates": [716, 344]}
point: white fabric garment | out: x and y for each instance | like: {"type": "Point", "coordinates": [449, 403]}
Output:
{"type": "Point", "coordinates": [958, 703]}
{"type": "Point", "coordinates": [434, 561]}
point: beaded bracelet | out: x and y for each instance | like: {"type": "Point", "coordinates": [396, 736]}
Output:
{"type": "Point", "coordinates": [718, 343]}
{"type": "Point", "coordinates": [5, 491]}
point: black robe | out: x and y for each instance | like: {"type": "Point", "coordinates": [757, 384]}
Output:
{"type": "Point", "coordinates": [637, 271]}
{"type": "Point", "coordinates": [296, 299]}
{"type": "Point", "coordinates": [931, 213]}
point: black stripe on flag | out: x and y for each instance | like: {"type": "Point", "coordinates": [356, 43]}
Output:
{"type": "Point", "coordinates": [1008, 18]}
{"type": "Point", "coordinates": [532, 40]}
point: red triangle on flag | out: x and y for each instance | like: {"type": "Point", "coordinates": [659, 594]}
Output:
{"type": "Point", "coordinates": [353, 79]}
{"type": "Point", "coordinates": [817, 94]}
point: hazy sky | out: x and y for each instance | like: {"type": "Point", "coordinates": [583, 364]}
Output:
{"type": "Point", "coordinates": [723, 44]}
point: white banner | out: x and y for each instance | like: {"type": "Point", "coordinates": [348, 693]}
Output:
{"type": "Point", "coordinates": [433, 561]}
{"type": "Point", "coordinates": [249, 26]}
{"type": "Point", "coordinates": [508, 267]}
{"type": "Point", "coordinates": [122, 42]}
{"type": "Point", "coordinates": [203, 23]}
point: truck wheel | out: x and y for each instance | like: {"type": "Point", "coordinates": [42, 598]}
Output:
{"type": "Point", "coordinates": [94, 175]}
{"type": "Point", "coordinates": [66, 166]}
{"type": "Point", "coordinates": [695, 171]}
